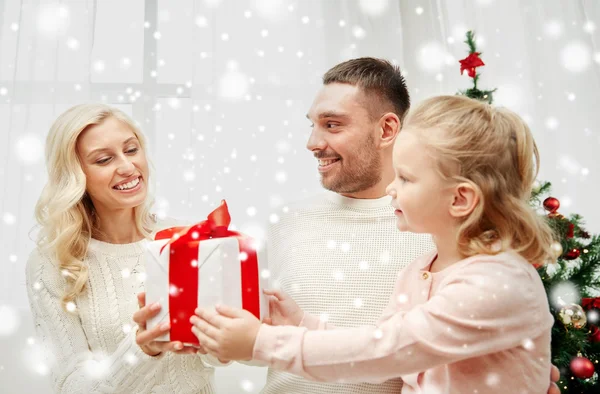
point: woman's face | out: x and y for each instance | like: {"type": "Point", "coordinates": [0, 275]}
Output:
{"type": "Point", "coordinates": [114, 164]}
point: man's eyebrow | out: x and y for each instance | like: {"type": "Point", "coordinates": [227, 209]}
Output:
{"type": "Point", "coordinates": [330, 114]}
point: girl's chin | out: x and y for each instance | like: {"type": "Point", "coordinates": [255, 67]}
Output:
{"type": "Point", "coordinates": [403, 226]}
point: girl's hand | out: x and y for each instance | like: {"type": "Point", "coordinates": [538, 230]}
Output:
{"type": "Point", "coordinates": [283, 310]}
{"type": "Point", "coordinates": [227, 333]}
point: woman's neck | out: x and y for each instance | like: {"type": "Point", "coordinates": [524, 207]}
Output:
{"type": "Point", "coordinates": [117, 227]}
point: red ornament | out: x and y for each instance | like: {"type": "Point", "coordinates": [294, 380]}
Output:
{"type": "Point", "coordinates": [582, 367]}
{"type": "Point", "coordinates": [551, 204]}
{"type": "Point", "coordinates": [584, 234]}
{"type": "Point", "coordinates": [594, 334]}
{"type": "Point", "coordinates": [571, 231]}
{"type": "Point", "coordinates": [572, 254]}
{"type": "Point", "coordinates": [470, 63]}
{"type": "Point", "coordinates": [590, 303]}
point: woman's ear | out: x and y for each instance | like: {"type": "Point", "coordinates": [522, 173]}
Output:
{"type": "Point", "coordinates": [465, 200]}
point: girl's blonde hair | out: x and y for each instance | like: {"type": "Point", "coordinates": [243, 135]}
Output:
{"type": "Point", "coordinates": [64, 211]}
{"type": "Point", "coordinates": [492, 149]}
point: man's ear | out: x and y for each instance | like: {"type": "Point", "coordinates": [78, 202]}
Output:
{"type": "Point", "coordinates": [389, 127]}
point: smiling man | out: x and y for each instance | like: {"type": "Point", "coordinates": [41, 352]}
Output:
{"type": "Point", "coordinates": [338, 254]}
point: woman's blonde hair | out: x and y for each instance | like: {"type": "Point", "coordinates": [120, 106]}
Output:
{"type": "Point", "coordinates": [64, 211]}
{"type": "Point", "coordinates": [492, 149]}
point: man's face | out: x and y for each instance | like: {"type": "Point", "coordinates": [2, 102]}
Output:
{"type": "Point", "coordinates": [344, 139]}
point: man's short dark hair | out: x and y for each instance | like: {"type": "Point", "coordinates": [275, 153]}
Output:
{"type": "Point", "coordinates": [377, 78]}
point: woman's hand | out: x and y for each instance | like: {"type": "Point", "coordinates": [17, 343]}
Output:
{"type": "Point", "coordinates": [146, 339]}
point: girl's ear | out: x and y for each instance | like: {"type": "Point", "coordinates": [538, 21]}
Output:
{"type": "Point", "coordinates": [465, 200]}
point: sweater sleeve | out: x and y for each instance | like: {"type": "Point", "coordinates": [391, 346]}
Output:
{"type": "Point", "coordinates": [73, 367]}
{"type": "Point", "coordinates": [480, 310]}
{"type": "Point", "coordinates": [312, 322]}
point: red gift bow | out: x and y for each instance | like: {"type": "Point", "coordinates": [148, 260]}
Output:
{"type": "Point", "coordinates": [183, 269]}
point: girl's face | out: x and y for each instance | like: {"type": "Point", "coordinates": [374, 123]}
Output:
{"type": "Point", "coordinates": [421, 197]}
{"type": "Point", "coordinates": [114, 164]}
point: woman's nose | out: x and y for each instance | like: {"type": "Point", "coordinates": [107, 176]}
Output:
{"type": "Point", "coordinates": [126, 167]}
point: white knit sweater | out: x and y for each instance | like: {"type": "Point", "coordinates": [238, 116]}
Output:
{"type": "Point", "coordinates": [339, 258]}
{"type": "Point", "coordinates": [94, 349]}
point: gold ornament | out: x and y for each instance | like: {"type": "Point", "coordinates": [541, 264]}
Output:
{"type": "Point", "coordinates": [557, 249]}
{"type": "Point", "coordinates": [572, 316]}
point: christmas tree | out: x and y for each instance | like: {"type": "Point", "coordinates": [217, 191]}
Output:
{"type": "Point", "coordinates": [571, 281]}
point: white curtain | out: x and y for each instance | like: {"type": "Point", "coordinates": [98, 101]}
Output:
{"type": "Point", "coordinates": [221, 89]}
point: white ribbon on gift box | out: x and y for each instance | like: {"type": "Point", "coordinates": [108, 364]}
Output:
{"type": "Point", "coordinates": [219, 277]}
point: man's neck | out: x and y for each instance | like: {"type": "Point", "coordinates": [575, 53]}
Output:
{"type": "Point", "coordinates": [376, 191]}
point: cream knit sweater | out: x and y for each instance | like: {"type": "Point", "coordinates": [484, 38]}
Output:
{"type": "Point", "coordinates": [93, 350]}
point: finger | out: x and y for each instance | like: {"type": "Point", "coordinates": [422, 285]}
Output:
{"type": "Point", "coordinates": [205, 327]}
{"type": "Point", "coordinates": [147, 336]}
{"type": "Point", "coordinates": [229, 311]}
{"type": "Point", "coordinates": [275, 293]}
{"type": "Point", "coordinates": [554, 389]}
{"type": "Point", "coordinates": [554, 373]}
{"type": "Point", "coordinates": [164, 346]}
{"type": "Point", "coordinates": [273, 305]}
{"type": "Point", "coordinates": [201, 350]}
{"type": "Point", "coordinates": [175, 346]}
{"type": "Point", "coordinates": [141, 299]}
{"type": "Point", "coordinates": [145, 313]}
{"type": "Point", "coordinates": [207, 343]}
{"type": "Point", "coordinates": [179, 348]}
{"type": "Point", "coordinates": [186, 350]}
{"type": "Point", "coordinates": [210, 316]}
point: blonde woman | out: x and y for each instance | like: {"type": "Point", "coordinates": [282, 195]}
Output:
{"type": "Point", "coordinates": [83, 277]}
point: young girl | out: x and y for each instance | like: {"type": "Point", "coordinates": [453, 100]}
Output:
{"type": "Point", "coordinates": [83, 277]}
{"type": "Point", "coordinates": [471, 317]}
